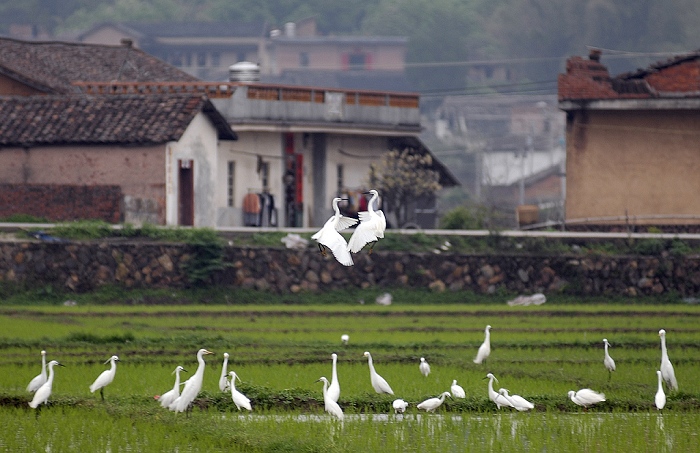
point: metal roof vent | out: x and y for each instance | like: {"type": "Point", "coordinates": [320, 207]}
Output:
{"type": "Point", "coordinates": [244, 71]}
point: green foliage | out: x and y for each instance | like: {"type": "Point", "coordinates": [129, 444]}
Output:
{"type": "Point", "coordinates": [24, 218]}
{"type": "Point", "coordinates": [207, 257]}
{"type": "Point", "coordinates": [463, 218]}
{"type": "Point", "coordinates": [83, 229]}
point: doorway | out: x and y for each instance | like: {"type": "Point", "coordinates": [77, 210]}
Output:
{"type": "Point", "coordinates": [186, 192]}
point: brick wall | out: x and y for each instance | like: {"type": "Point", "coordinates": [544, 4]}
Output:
{"type": "Point", "coordinates": [62, 202]}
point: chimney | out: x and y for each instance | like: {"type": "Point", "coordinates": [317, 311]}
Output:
{"type": "Point", "coordinates": [127, 42]}
{"type": "Point", "coordinates": [594, 55]}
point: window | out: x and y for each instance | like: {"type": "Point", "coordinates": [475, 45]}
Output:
{"type": "Point", "coordinates": [265, 175]}
{"type": "Point", "coordinates": [215, 59]}
{"type": "Point", "coordinates": [304, 59]}
{"type": "Point", "coordinates": [357, 60]}
{"type": "Point", "coordinates": [201, 59]}
{"type": "Point", "coordinates": [231, 179]}
{"type": "Point", "coordinates": [341, 183]}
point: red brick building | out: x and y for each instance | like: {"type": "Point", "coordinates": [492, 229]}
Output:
{"type": "Point", "coordinates": [633, 144]}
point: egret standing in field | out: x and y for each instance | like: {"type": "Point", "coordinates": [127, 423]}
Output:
{"type": "Point", "coordinates": [371, 227]}
{"type": "Point", "coordinates": [517, 401]}
{"type": "Point", "coordinates": [106, 377]}
{"type": "Point", "coordinates": [239, 399]}
{"type": "Point", "coordinates": [586, 397]}
{"type": "Point", "coordinates": [608, 361]}
{"type": "Point", "coordinates": [40, 379]}
{"type": "Point", "coordinates": [329, 236]}
{"type": "Point", "coordinates": [399, 406]}
{"type": "Point", "coordinates": [330, 405]}
{"type": "Point", "coordinates": [223, 380]}
{"type": "Point", "coordinates": [431, 404]}
{"type": "Point", "coordinates": [379, 383]}
{"type": "Point", "coordinates": [660, 398]}
{"type": "Point", "coordinates": [667, 372]}
{"type": "Point", "coordinates": [457, 390]}
{"type": "Point", "coordinates": [41, 396]}
{"type": "Point", "coordinates": [344, 338]}
{"type": "Point", "coordinates": [424, 367]}
{"type": "Point", "coordinates": [192, 386]}
{"type": "Point", "coordinates": [167, 398]}
{"type": "Point", "coordinates": [334, 388]}
{"type": "Point", "coordinates": [485, 348]}
{"type": "Point", "coordinates": [494, 396]}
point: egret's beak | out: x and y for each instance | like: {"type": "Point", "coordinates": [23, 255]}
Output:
{"type": "Point", "coordinates": [184, 370]}
{"type": "Point", "coordinates": [208, 352]}
{"type": "Point", "coordinates": [60, 364]}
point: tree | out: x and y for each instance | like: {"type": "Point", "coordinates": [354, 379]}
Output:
{"type": "Point", "coordinates": [401, 177]}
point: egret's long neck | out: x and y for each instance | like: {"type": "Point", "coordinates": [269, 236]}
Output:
{"type": "Point", "coordinates": [606, 348]}
{"type": "Point", "coordinates": [664, 352]}
{"type": "Point", "coordinates": [50, 379]}
{"type": "Point", "coordinates": [336, 209]}
{"type": "Point", "coordinates": [335, 372]}
{"type": "Point", "coordinates": [487, 335]}
{"type": "Point", "coordinates": [177, 380]}
{"type": "Point", "coordinates": [369, 361]}
{"type": "Point", "coordinates": [43, 364]}
{"type": "Point", "coordinates": [370, 209]}
{"type": "Point", "coordinates": [200, 367]}
{"type": "Point", "coordinates": [112, 365]}
{"type": "Point", "coordinates": [660, 379]}
{"type": "Point", "coordinates": [491, 385]}
{"type": "Point", "coordinates": [325, 388]}
{"type": "Point", "coordinates": [233, 382]}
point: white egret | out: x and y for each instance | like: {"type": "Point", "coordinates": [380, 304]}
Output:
{"type": "Point", "coordinates": [485, 348]}
{"type": "Point", "coordinates": [239, 399]}
{"type": "Point", "coordinates": [586, 397]}
{"type": "Point", "coordinates": [457, 390]}
{"type": "Point", "coordinates": [371, 227]}
{"type": "Point", "coordinates": [379, 383]}
{"type": "Point", "coordinates": [517, 401]}
{"type": "Point", "coordinates": [167, 398]}
{"type": "Point", "coordinates": [424, 367]}
{"type": "Point", "coordinates": [42, 393]}
{"type": "Point", "coordinates": [40, 379]}
{"type": "Point", "coordinates": [608, 361]}
{"type": "Point", "coordinates": [660, 398]}
{"type": "Point", "coordinates": [399, 406]}
{"type": "Point", "coordinates": [334, 388]}
{"type": "Point", "coordinates": [106, 377]}
{"type": "Point", "coordinates": [192, 386]}
{"type": "Point", "coordinates": [431, 404]}
{"type": "Point", "coordinates": [500, 400]}
{"type": "Point", "coordinates": [329, 236]}
{"type": "Point", "coordinates": [345, 338]}
{"type": "Point", "coordinates": [330, 405]}
{"type": "Point", "coordinates": [667, 372]}
{"type": "Point", "coordinates": [223, 380]}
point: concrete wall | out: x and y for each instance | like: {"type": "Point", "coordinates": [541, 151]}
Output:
{"type": "Point", "coordinates": [85, 266]}
{"type": "Point", "coordinates": [634, 163]}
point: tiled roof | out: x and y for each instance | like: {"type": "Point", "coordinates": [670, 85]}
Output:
{"type": "Point", "coordinates": [51, 67]}
{"type": "Point", "coordinates": [116, 119]}
{"type": "Point", "coordinates": [164, 29]}
{"type": "Point", "coordinates": [678, 77]}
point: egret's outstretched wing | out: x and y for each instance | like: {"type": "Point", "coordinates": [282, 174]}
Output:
{"type": "Point", "coordinates": [345, 222]}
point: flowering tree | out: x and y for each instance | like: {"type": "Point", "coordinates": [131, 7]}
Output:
{"type": "Point", "coordinates": [402, 176]}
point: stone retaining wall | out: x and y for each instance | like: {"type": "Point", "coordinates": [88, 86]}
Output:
{"type": "Point", "coordinates": [82, 266]}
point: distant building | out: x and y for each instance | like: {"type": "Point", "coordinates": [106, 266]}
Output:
{"type": "Point", "coordinates": [632, 152]}
{"type": "Point", "coordinates": [293, 55]}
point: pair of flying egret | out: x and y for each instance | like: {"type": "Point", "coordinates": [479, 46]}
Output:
{"type": "Point", "coordinates": [371, 229]}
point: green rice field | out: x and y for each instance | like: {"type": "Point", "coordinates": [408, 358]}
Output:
{"type": "Point", "coordinates": [280, 351]}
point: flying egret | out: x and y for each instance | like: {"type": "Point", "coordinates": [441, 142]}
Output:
{"type": "Point", "coordinates": [40, 379]}
{"type": "Point", "coordinates": [399, 406]}
{"type": "Point", "coordinates": [167, 398]}
{"type": "Point", "coordinates": [334, 388]}
{"type": "Point", "coordinates": [330, 405]}
{"type": "Point", "coordinates": [239, 399]}
{"type": "Point", "coordinates": [192, 386]}
{"type": "Point", "coordinates": [371, 227]}
{"type": "Point", "coordinates": [608, 361]}
{"type": "Point", "coordinates": [485, 348]}
{"type": "Point", "coordinates": [424, 367]}
{"type": "Point", "coordinates": [431, 404]}
{"type": "Point", "coordinates": [345, 338]}
{"type": "Point", "coordinates": [500, 400]}
{"type": "Point", "coordinates": [586, 397]}
{"type": "Point", "coordinates": [667, 372]}
{"type": "Point", "coordinates": [106, 377]}
{"type": "Point", "coordinates": [457, 390]}
{"type": "Point", "coordinates": [379, 383]}
{"type": "Point", "coordinates": [329, 236]}
{"type": "Point", "coordinates": [223, 380]}
{"type": "Point", "coordinates": [517, 401]}
{"type": "Point", "coordinates": [42, 393]}
{"type": "Point", "coordinates": [660, 398]}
